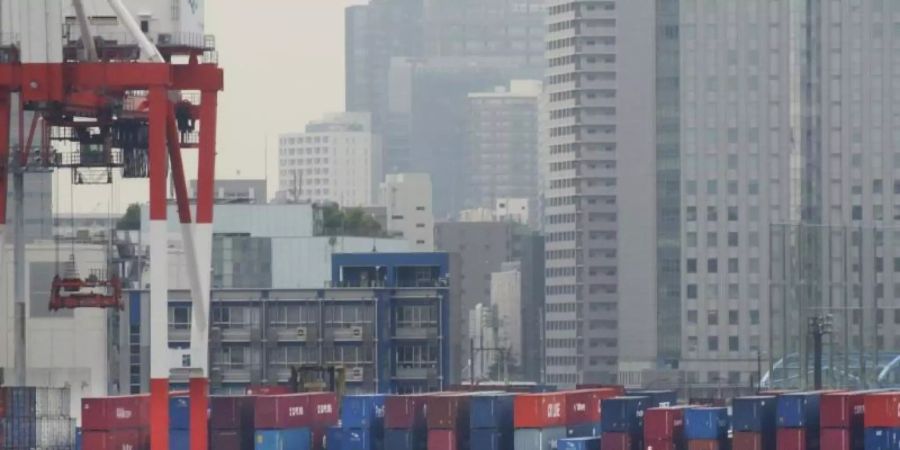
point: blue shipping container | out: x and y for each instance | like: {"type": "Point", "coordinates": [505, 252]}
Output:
{"type": "Point", "coordinates": [179, 440]}
{"type": "Point", "coordinates": [78, 445]}
{"type": "Point", "coordinates": [362, 411]}
{"type": "Point", "coordinates": [491, 411]}
{"type": "Point", "coordinates": [19, 432]}
{"type": "Point", "coordinates": [179, 413]}
{"type": "Point", "coordinates": [706, 423]}
{"type": "Point", "coordinates": [582, 443]}
{"type": "Point", "coordinates": [291, 439]}
{"type": "Point", "coordinates": [361, 440]}
{"type": "Point", "coordinates": [882, 439]}
{"type": "Point", "coordinates": [624, 414]}
{"type": "Point", "coordinates": [488, 439]}
{"type": "Point", "coordinates": [756, 414]}
{"type": "Point", "coordinates": [333, 438]}
{"type": "Point", "coordinates": [21, 402]}
{"type": "Point", "coordinates": [586, 430]}
{"type": "Point", "coordinates": [399, 440]}
{"type": "Point", "coordinates": [657, 398]}
{"type": "Point", "coordinates": [799, 410]}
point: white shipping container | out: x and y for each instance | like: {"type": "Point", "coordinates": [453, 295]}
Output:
{"type": "Point", "coordinates": [53, 433]}
{"type": "Point", "coordinates": [53, 402]}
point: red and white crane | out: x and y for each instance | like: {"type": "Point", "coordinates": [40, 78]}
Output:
{"type": "Point", "coordinates": [95, 79]}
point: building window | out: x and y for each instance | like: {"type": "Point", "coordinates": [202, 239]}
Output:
{"type": "Point", "coordinates": [692, 291]}
{"type": "Point", "coordinates": [712, 343]}
{"type": "Point", "coordinates": [692, 265]}
{"type": "Point", "coordinates": [732, 317]}
{"type": "Point", "coordinates": [733, 265]}
{"type": "Point", "coordinates": [712, 317]}
{"type": "Point", "coordinates": [733, 344]}
{"type": "Point", "coordinates": [712, 265]}
{"type": "Point", "coordinates": [692, 316]}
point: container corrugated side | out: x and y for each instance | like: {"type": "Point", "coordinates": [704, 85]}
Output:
{"type": "Point", "coordinates": [538, 438]}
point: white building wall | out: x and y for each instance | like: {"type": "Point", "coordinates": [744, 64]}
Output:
{"type": "Point", "coordinates": [408, 199]}
{"type": "Point", "coordinates": [67, 348]}
{"type": "Point", "coordinates": [506, 297]}
{"type": "Point", "coordinates": [266, 220]}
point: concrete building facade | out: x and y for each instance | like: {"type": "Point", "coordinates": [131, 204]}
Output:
{"type": "Point", "coordinates": [410, 214]}
{"type": "Point", "coordinates": [337, 159]}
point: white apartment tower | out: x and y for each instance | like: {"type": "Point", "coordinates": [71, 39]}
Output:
{"type": "Point", "coordinates": [337, 159]}
{"type": "Point", "coordinates": [407, 197]}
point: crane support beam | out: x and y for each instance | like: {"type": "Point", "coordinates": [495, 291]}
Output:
{"type": "Point", "coordinates": [50, 82]}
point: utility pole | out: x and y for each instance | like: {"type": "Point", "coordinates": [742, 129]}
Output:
{"type": "Point", "coordinates": [819, 326]}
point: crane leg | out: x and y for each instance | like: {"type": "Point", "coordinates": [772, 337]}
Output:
{"type": "Point", "coordinates": [5, 112]}
{"type": "Point", "coordinates": [159, 268]}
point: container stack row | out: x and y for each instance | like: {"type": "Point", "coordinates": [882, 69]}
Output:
{"type": "Point", "coordinates": [404, 423]}
{"type": "Point", "coordinates": [293, 421]}
{"type": "Point", "coordinates": [362, 423]}
{"type": "Point", "coordinates": [491, 421]}
{"type": "Point", "coordinates": [540, 420]}
{"type": "Point", "coordinates": [798, 421]}
{"type": "Point", "coordinates": [706, 428]}
{"type": "Point", "coordinates": [112, 423]}
{"type": "Point", "coordinates": [882, 420]}
{"type": "Point", "coordinates": [447, 417]}
{"type": "Point", "coordinates": [36, 418]}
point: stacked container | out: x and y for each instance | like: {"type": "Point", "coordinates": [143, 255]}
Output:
{"type": "Point", "coordinates": [540, 420]}
{"type": "Point", "coordinates": [706, 428]}
{"type": "Point", "coordinates": [179, 423]}
{"type": "Point", "coordinates": [754, 422]}
{"type": "Point", "coordinates": [35, 418]}
{"type": "Point", "coordinates": [798, 421]}
{"type": "Point", "coordinates": [584, 411]}
{"type": "Point", "coordinates": [448, 421]}
{"type": "Point", "coordinates": [841, 421]}
{"type": "Point", "coordinates": [362, 422]}
{"type": "Point", "coordinates": [491, 421]}
{"type": "Point", "coordinates": [882, 421]}
{"type": "Point", "coordinates": [623, 422]}
{"type": "Point", "coordinates": [293, 421]}
{"type": "Point", "coordinates": [656, 397]}
{"type": "Point", "coordinates": [231, 422]}
{"type": "Point", "coordinates": [664, 428]}
{"type": "Point", "coordinates": [113, 423]}
{"type": "Point", "coordinates": [404, 422]}
{"type": "Point", "coordinates": [581, 443]}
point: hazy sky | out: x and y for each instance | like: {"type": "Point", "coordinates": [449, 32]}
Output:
{"type": "Point", "coordinates": [284, 65]}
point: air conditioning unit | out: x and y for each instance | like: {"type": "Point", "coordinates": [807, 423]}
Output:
{"type": "Point", "coordinates": [355, 374]}
{"type": "Point", "coordinates": [301, 333]}
{"type": "Point", "coordinates": [164, 39]}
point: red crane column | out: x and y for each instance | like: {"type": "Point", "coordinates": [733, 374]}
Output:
{"type": "Point", "coordinates": [159, 267]}
{"type": "Point", "coordinates": [206, 166]}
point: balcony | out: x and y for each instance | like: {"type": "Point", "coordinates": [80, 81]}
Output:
{"type": "Point", "coordinates": [409, 372]}
{"type": "Point", "coordinates": [179, 333]}
{"type": "Point", "coordinates": [416, 331]}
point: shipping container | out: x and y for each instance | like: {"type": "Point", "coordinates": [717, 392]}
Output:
{"type": "Point", "coordinates": [579, 443]}
{"type": "Point", "coordinates": [396, 439]}
{"type": "Point", "coordinates": [491, 439]}
{"type": "Point", "coordinates": [753, 440]}
{"type": "Point", "coordinates": [231, 439]}
{"type": "Point", "coordinates": [882, 410]}
{"type": "Point", "coordinates": [584, 430]}
{"type": "Point", "coordinates": [179, 413]}
{"type": "Point", "coordinates": [882, 439]}
{"type": "Point", "coordinates": [179, 439]}
{"type": "Point", "coordinates": [546, 410]}
{"type": "Point", "coordinates": [21, 402]}
{"type": "Point", "coordinates": [405, 411]}
{"type": "Point", "coordinates": [706, 423]}
{"type": "Point", "coordinates": [611, 440]}
{"type": "Point", "coordinates": [334, 438]}
{"type": "Point", "coordinates": [664, 444]}
{"type": "Point", "coordinates": [115, 413]}
{"type": "Point", "coordinates": [707, 444]}
{"type": "Point", "coordinates": [448, 412]}
{"type": "Point", "coordinates": [52, 402]}
{"type": "Point", "coordinates": [231, 412]}
{"type": "Point", "coordinates": [267, 390]}
{"type": "Point", "coordinates": [656, 397]}
{"type": "Point", "coordinates": [624, 414]}
{"type": "Point", "coordinates": [538, 438]}
{"type": "Point", "coordinates": [842, 439]}
{"type": "Point", "coordinates": [279, 412]}
{"type": "Point", "coordinates": [364, 439]}
{"type": "Point", "coordinates": [617, 388]}
{"type": "Point", "coordinates": [285, 439]}
{"type": "Point", "coordinates": [797, 439]}
{"type": "Point", "coordinates": [115, 440]}
{"type": "Point", "coordinates": [841, 409]}
{"type": "Point", "coordinates": [491, 411]}
{"type": "Point", "coordinates": [441, 439]}
{"type": "Point", "coordinates": [362, 411]}
{"type": "Point", "coordinates": [799, 410]}
{"type": "Point", "coordinates": [665, 423]}
{"type": "Point", "coordinates": [585, 406]}
{"type": "Point", "coordinates": [754, 414]}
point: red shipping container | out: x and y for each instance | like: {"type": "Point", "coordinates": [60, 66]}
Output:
{"type": "Point", "coordinates": [448, 411]}
{"type": "Point", "coordinates": [231, 412]}
{"type": "Point", "coordinates": [617, 388]}
{"type": "Point", "coordinates": [278, 412]}
{"type": "Point", "coordinates": [442, 440]}
{"type": "Point", "coordinates": [882, 410]}
{"type": "Point", "coordinates": [583, 406]}
{"type": "Point", "coordinates": [703, 444]}
{"type": "Point", "coordinates": [268, 390]}
{"type": "Point", "coordinates": [115, 413]}
{"type": "Point", "coordinates": [659, 444]}
{"type": "Point", "coordinates": [615, 441]}
{"type": "Point", "coordinates": [665, 423]}
{"type": "Point", "coordinates": [791, 439]}
{"type": "Point", "coordinates": [115, 440]}
{"type": "Point", "coordinates": [841, 409]}
{"type": "Point", "coordinates": [404, 411]}
{"type": "Point", "coordinates": [538, 410]}
{"type": "Point", "coordinates": [747, 441]}
{"type": "Point", "coordinates": [835, 439]}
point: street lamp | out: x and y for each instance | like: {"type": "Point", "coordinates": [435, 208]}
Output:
{"type": "Point", "coordinates": [819, 326]}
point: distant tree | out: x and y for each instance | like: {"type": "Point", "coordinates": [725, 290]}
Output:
{"type": "Point", "coordinates": [132, 218]}
{"type": "Point", "coordinates": [349, 222]}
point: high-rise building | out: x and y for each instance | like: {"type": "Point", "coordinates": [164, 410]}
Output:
{"type": "Point", "coordinates": [599, 204]}
{"type": "Point", "coordinates": [407, 198]}
{"type": "Point", "coordinates": [501, 148]}
{"type": "Point", "coordinates": [337, 159]}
